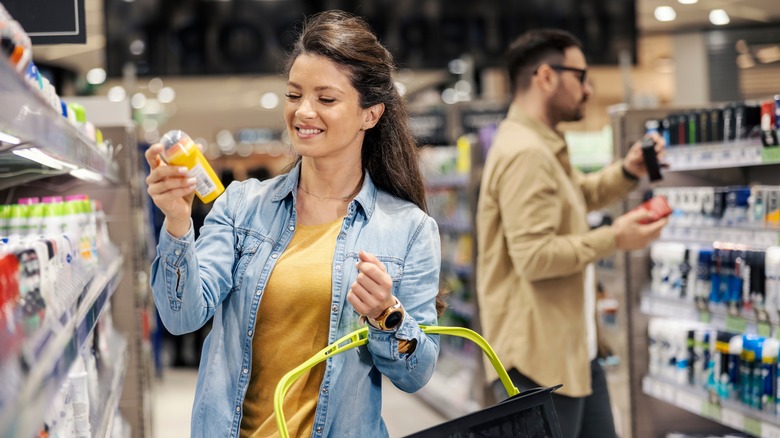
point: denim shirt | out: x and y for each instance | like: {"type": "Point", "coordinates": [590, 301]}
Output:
{"type": "Point", "coordinates": [223, 275]}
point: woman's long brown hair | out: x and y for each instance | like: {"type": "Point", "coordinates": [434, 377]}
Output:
{"type": "Point", "coordinates": [390, 152]}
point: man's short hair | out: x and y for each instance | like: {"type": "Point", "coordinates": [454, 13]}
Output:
{"type": "Point", "coordinates": [534, 48]}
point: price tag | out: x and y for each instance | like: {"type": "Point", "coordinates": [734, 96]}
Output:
{"type": "Point", "coordinates": [770, 431]}
{"type": "Point", "coordinates": [646, 307]}
{"type": "Point", "coordinates": [668, 393]}
{"type": "Point", "coordinates": [647, 386]}
{"type": "Point", "coordinates": [752, 426]}
{"type": "Point", "coordinates": [733, 419]}
{"type": "Point", "coordinates": [689, 402]}
{"type": "Point", "coordinates": [764, 329]}
{"type": "Point", "coordinates": [711, 411]}
{"type": "Point", "coordinates": [736, 324]}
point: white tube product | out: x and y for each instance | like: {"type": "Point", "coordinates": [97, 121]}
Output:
{"type": "Point", "coordinates": [654, 346]}
{"type": "Point", "coordinates": [769, 350]}
{"type": "Point", "coordinates": [772, 270]}
{"type": "Point", "coordinates": [693, 263]}
{"type": "Point", "coordinates": [735, 351]}
{"type": "Point", "coordinates": [80, 396]}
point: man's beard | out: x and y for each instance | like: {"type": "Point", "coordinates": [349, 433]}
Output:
{"type": "Point", "coordinates": [575, 114]}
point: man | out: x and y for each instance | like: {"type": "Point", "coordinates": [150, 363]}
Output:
{"type": "Point", "coordinates": [535, 280]}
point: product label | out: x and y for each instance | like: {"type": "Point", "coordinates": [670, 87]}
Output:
{"type": "Point", "coordinates": [203, 184]}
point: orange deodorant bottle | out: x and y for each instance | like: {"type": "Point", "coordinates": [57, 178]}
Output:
{"type": "Point", "coordinates": [180, 150]}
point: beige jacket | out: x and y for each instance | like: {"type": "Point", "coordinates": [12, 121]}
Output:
{"type": "Point", "coordinates": [534, 244]}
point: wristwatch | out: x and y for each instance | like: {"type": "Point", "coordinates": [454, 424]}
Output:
{"type": "Point", "coordinates": [390, 319]}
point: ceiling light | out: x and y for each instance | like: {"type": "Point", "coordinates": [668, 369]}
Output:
{"type": "Point", "coordinates": [269, 100]}
{"type": "Point", "coordinates": [166, 95]}
{"type": "Point", "coordinates": [155, 85]}
{"type": "Point", "coordinates": [138, 100]}
{"type": "Point", "coordinates": [688, 2]}
{"type": "Point", "coordinates": [116, 93]}
{"type": "Point", "coordinates": [719, 17]}
{"type": "Point", "coordinates": [137, 47]}
{"type": "Point", "coordinates": [401, 88]}
{"type": "Point", "coordinates": [665, 13]}
{"type": "Point", "coordinates": [96, 76]}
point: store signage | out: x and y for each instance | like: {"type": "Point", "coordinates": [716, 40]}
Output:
{"type": "Point", "coordinates": [50, 21]}
{"type": "Point", "coordinates": [429, 128]}
{"type": "Point", "coordinates": [473, 120]}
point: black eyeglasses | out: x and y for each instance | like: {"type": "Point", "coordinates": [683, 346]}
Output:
{"type": "Point", "coordinates": [582, 73]}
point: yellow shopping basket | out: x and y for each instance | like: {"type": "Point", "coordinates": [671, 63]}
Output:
{"type": "Point", "coordinates": [527, 414]}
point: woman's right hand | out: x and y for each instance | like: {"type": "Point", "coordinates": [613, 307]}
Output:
{"type": "Point", "coordinates": [171, 190]}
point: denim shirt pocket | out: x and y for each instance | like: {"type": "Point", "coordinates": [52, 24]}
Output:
{"type": "Point", "coordinates": [246, 247]}
{"type": "Point", "coordinates": [393, 265]}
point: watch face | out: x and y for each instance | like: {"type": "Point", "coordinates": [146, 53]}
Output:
{"type": "Point", "coordinates": [394, 319]}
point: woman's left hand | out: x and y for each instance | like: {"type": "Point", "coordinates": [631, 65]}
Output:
{"type": "Point", "coordinates": [370, 293]}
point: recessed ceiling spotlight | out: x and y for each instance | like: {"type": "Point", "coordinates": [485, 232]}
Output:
{"type": "Point", "coordinates": [665, 13]}
{"type": "Point", "coordinates": [688, 2]}
{"type": "Point", "coordinates": [719, 17]}
{"type": "Point", "coordinates": [96, 76]}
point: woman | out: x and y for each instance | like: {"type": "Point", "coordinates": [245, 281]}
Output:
{"type": "Point", "coordinates": [289, 265]}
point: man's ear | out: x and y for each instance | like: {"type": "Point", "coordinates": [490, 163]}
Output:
{"type": "Point", "coordinates": [372, 114]}
{"type": "Point", "coordinates": [546, 78]}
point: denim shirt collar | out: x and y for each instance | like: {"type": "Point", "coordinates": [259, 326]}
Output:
{"type": "Point", "coordinates": [366, 198]}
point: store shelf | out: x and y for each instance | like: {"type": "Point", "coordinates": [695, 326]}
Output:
{"type": "Point", "coordinates": [716, 315]}
{"type": "Point", "coordinates": [451, 226]}
{"type": "Point", "coordinates": [719, 156]}
{"type": "Point", "coordinates": [27, 120]}
{"type": "Point", "coordinates": [103, 416]}
{"type": "Point", "coordinates": [756, 237]}
{"type": "Point", "coordinates": [725, 412]}
{"type": "Point", "coordinates": [449, 181]}
{"type": "Point", "coordinates": [23, 407]}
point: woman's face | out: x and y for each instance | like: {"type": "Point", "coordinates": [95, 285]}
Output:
{"type": "Point", "coordinates": [322, 110]}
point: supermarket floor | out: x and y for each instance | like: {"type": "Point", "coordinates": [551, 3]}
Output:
{"type": "Point", "coordinates": [172, 396]}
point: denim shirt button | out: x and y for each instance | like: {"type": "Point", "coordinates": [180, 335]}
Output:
{"type": "Point", "coordinates": [335, 308]}
{"type": "Point", "coordinates": [177, 252]}
{"type": "Point", "coordinates": [249, 333]}
{"type": "Point", "coordinates": [258, 292]}
{"type": "Point", "coordinates": [319, 429]}
{"type": "Point", "coordinates": [274, 255]}
{"type": "Point", "coordinates": [292, 228]}
{"type": "Point", "coordinates": [246, 371]}
{"type": "Point", "coordinates": [238, 408]}
{"type": "Point", "coordinates": [325, 390]}
{"type": "Point", "coordinates": [338, 267]}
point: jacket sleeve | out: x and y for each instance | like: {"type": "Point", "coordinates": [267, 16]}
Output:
{"type": "Point", "coordinates": [417, 292]}
{"type": "Point", "coordinates": [531, 210]}
{"type": "Point", "coordinates": [605, 186]}
{"type": "Point", "coordinates": [189, 280]}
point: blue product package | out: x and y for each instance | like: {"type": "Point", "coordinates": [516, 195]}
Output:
{"type": "Point", "coordinates": [715, 267]}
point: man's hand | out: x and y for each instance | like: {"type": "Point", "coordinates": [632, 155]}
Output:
{"type": "Point", "coordinates": [634, 163]}
{"type": "Point", "coordinates": [631, 233]}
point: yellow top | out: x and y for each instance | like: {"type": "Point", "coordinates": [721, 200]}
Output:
{"type": "Point", "coordinates": [292, 325]}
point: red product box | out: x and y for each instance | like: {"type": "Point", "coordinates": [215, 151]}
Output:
{"type": "Point", "coordinates": [658, 207]}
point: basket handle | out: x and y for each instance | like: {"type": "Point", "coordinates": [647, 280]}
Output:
{"type": "Point", "coordinates": [359, 338]}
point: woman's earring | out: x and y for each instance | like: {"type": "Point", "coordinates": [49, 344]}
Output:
{"type": "Point", "coordinates": [364, 127]}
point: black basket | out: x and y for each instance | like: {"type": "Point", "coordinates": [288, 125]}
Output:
{"type": "Point", "coordinates": [530, 414]}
